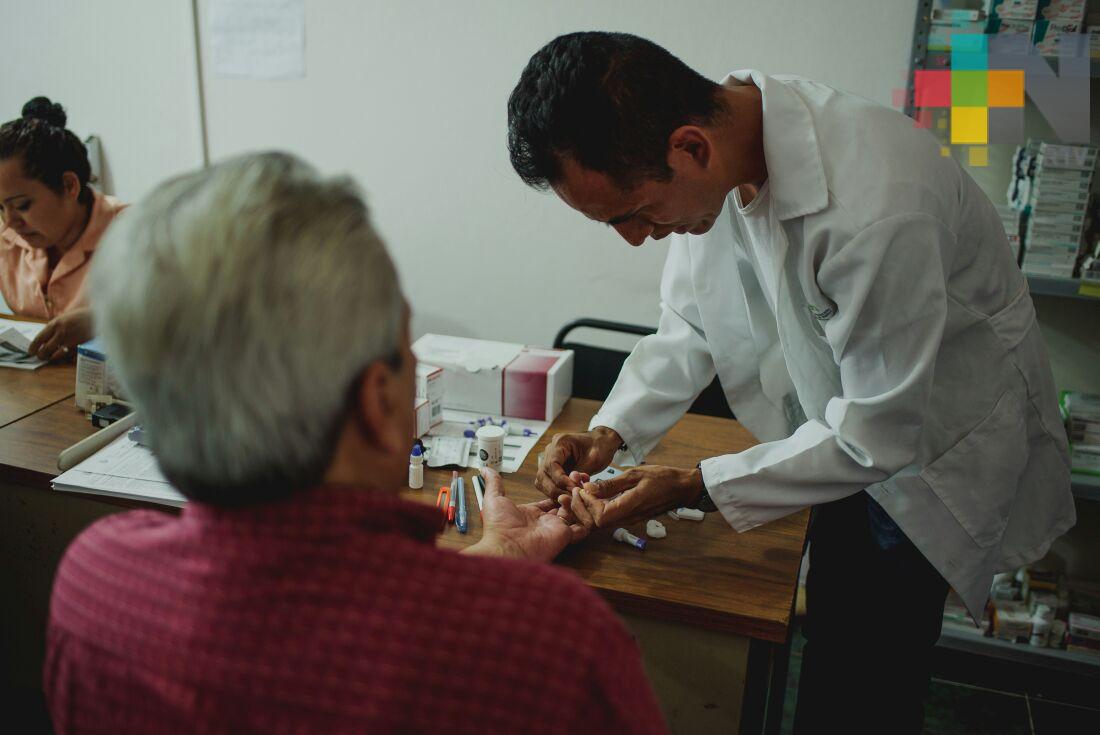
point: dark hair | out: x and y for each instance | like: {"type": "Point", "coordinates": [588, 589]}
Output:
{"type": "Point", "coordinates": [47, 147]}
{"type": "Point", "coordinates": [609, 101]}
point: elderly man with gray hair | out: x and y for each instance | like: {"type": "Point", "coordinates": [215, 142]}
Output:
{"type": "Point", "coordinates": [256, 320]}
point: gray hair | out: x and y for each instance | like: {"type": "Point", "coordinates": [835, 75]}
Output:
{"type": "Point", "coordinates": [238, 306]}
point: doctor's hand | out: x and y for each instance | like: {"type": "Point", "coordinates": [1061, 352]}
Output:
{"type": "Point", "coordinates": [589, 452]}
{"type": "Point", "coordinates": [637, 494]}
{"type": "Point", "coordinates": [59, 338]}
{"type": "Point", "coordinates": [531, 531]}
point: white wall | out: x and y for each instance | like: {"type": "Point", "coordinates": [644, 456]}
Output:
{"type": "Point", "coordinates": [124, 70]}
{"type": "Point", "coordinates": [410, 99]}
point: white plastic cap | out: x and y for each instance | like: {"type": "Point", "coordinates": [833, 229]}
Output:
{"type": "Point", "coordinates": [491, 432]}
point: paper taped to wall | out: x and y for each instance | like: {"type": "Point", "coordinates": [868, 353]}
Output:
{"type": "Point", "coordinates": [257, 39]}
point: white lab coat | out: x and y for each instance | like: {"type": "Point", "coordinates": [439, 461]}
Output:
{"type": "Point", "coordinates": [903, 352]}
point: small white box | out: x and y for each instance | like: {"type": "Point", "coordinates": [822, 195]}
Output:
{"type": "Point", "coordinates": [93, 376]}
{"type": "Point", "coordinates": [429, 385]}
{"type": "Point", "coordinates": [423, 416]}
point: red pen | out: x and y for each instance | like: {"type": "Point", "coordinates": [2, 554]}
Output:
{"type": "Point", "coordinates": [452, 494]}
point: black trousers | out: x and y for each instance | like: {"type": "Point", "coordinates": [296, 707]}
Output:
{"type": "Point", "coordinates": [874, 612]}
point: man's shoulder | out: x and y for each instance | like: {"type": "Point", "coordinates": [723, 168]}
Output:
{"type": "Point", "coordinates": [877, 161]}
{"type": "Point", "coordinates": [120, 531]}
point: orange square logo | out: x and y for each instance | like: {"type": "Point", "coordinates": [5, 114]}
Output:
{"type": "Point", "coordinates": [1005, 88]}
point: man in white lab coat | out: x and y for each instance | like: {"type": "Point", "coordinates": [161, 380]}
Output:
{"type": "Point", "coordinates": [855, 294]}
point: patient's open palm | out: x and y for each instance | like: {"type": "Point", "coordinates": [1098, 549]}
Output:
{"type": "Point", "coordinates": [529, 531]}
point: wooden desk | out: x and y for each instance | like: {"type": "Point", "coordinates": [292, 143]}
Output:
{"type": "Point", "coordinates": [29, 446]}
{"type": "Point", "coordinates": [710, 607]}
{"type": "Point", "coordinates": [22, 392]}
{"type": "Point", "coordinates": [701, 574]}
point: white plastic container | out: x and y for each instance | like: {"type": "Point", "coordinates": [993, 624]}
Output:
{"type": "Point", "coordinates": [490, 446]}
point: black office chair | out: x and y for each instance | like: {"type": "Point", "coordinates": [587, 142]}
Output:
{"type": "Point", "coordinates": [596, 368]}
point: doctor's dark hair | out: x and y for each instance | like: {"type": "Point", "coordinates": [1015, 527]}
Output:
{"type": "Point", "coordinates": [609, 101]}
{"type": "Point", "coordinates": [48, 149]}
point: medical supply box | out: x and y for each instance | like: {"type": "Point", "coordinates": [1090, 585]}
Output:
{"type": "Point", "coordinates": [93, 376]}
{"type": "Point", "coordinates": [499, 378]}
{"type": "Point", "coordinates": [429, 386]}
{"type": "Point", "coordinates": [423, 416]}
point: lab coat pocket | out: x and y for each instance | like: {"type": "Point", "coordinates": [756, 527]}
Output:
{"type": "Point", "coordinates": [977, 478]}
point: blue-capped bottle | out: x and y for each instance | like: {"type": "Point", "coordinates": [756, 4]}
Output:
{"type": "Point", "coordinates": [416, 468]}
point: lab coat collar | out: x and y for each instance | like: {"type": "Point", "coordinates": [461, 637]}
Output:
{"type": "Point", "coordinates": [795, 171]}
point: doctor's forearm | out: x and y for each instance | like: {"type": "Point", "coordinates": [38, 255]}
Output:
{"type": "Point", "coordinates": [777, 478]}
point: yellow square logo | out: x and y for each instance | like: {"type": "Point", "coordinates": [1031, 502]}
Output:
{"type": "Point", "coordinates": [969, 125]}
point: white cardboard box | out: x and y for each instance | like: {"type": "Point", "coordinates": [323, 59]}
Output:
{"type": "Point", "coordinates": [499, 378]}
{"type": "Point", "coordinates": [423, 413]}
{"type": "Point", "coordinates": [429, 385]}
{"type": "Point", "coordinates": [93, 376]}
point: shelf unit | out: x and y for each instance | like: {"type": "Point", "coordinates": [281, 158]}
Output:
{"type": "Point", "coordinates": [961, 640]}
{"type": "Point", "coordinates": [1085, 488]}
{"type": "Point", "coordinates": [941, 60]}
{"type": "Point", "coordinates": [923, 58]}
{"type": "Point", "coordinates": [1069, 288]}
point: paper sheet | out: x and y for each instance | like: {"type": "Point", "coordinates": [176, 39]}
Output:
{"type": "Point", "coordinates": [15, 340]}
{"type": "Point", "coordinates": [122, 469]}
{"type": "Point", "coordinates": [516, 448]}
{"type": "Point", "coordinates": [606, 474]}
{"type": "Point", "coordinates": [257, 39]}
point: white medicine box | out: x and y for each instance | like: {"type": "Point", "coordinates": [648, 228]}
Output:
{"type": "Point", "coordinates": [93, 377]}
{"type": "Point", "coordinates": [422, 413]}
{"type": "Point", "coordinates": [429, 386]}
{"type": "Point", "coordinates": [499, 378]}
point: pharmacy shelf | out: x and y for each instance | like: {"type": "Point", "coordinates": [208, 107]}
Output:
{"type": "Point", "coordinates": [1094, 65]}
{"type": "Point", "coordinates": [1086, 486]}
{"type": "Point", "coordinates": [1054, 658]}
{"type": "Point", "coordinates": [1063, 287]}
{"type": "Point", "coordinates": [938, 59]}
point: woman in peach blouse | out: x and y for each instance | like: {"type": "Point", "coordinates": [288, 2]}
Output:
{"type": "Point", "coordinates": [51, 223]}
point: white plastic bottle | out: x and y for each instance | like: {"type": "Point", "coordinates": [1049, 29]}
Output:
{"type": "Point", "coordinates": [416, 468]}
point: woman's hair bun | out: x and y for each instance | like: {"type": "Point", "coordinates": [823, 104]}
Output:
{"type": "Point", "coordinates": [40, 108]}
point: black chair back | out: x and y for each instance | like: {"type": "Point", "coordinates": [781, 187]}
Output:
{"type": "Point", "coordinates": [595, 369]}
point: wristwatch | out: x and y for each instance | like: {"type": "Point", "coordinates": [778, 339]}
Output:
{"type": "Point", "coordinates": [704, 502]}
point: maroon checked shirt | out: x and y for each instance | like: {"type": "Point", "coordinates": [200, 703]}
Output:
{"type": "Point", "coordinates": [330, 612]}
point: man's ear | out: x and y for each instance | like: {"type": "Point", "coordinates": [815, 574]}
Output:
{"type": "Point", "coordinates": [70, 185]}
{"type": "Point", "coordinates": [378, 408]}
{"type": "Point", "coordinates": [689, 145]}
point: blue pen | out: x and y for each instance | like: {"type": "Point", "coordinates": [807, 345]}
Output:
{"type": "Point", "coordinates": [460, 517]}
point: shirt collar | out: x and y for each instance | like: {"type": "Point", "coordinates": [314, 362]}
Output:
{"type": "Point", "coordinates": [10, 239]}
{"type": "Point", "coordinates": [326, 511]}
{"type": "Point", "coordinates": [795, 170]}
